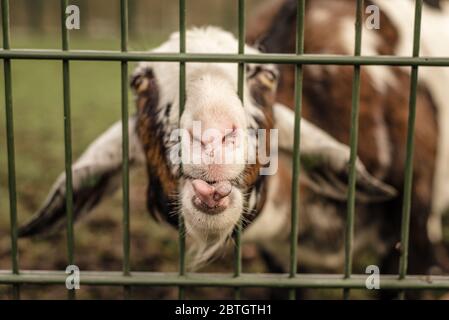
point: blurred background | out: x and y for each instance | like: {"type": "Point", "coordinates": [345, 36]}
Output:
{"type": "Point", "coordinates": [95, 98]}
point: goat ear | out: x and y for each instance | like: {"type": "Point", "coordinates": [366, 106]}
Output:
{"type": "Point", "coordinates": [142, 79]}
{"type": "Point", "coordinates": [325, 161]}
{"type": "Point", "coordinates": [95, 174]}
{"type": "Point", "coordinates": [143, 83]}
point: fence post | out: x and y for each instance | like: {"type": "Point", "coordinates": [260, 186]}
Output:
{"type": "Point", "coordinates": [182, 84]}
{"type": "Point", "coordinates": [296, 146]}
{"type": "Point", "coordinates": [408, 179]}
{"type": "Point", "coordinates": [349, 227]}
{"type": "Point", "coordinates": [67, 141]}
{"type": "Point", "coordinates": [240, 91]}
{"type": "Point", "coordinates": [10, 147]}
{"type": "Point", "coordinates": [125, 143]}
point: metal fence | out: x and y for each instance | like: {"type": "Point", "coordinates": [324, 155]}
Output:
{"type": "Point", "coordinates": [237, 280]}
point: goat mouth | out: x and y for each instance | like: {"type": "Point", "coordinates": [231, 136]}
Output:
{"type": "Point", "coordinates": [206, 213]}
{"type": "Point", "coordinates": [219, 207]}
{"type": "Point", "coordinates": [210, 197]}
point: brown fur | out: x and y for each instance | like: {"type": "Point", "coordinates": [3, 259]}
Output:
{"type": "Point", "coordinates": [327, 103]}
{"type": "Point", "coordinates": [161, 189]}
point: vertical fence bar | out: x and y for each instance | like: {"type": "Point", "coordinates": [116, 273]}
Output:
{"type": "Point", "coordinates": [125, 143]}
{"type": "Point", "coordinates": [349, 227]}
{"type": "Point", "coordinates": [182, 89]}
{"type": "Point", "coordinates": [408, 179]}
{"type": "Point", "coordinates": [67, 141]}
{"type": "Point", "coordinates": [10, 147]}
{"type": "Point", "coordinates": [296, 146]}
{"type": "Point", "coordinates": [240, 91]}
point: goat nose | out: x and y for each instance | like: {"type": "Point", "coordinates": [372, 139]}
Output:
{"type": "Point", "coordinates": [216, 134]}
{"type": "Point", "coordinates": [212, 141]}
{"type": "Point", "coordinates": [211, 194]}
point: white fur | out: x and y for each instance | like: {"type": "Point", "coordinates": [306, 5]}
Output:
{"type": "Point", "coordinates": [211, 98]}
{"type": "Point", "coordinates": [434, 42]}
{"type": "Point", "coordinates": [212, 101]}
{"type": "Point", "coordinates": [102, 157]}
{"type": "Point", "coordinates": [107, 148]}
{"type": "Point", "coordinates": [381, 76]}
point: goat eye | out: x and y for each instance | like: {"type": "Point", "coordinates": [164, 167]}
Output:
{"type": "Point", "coordinates": [270, 75]}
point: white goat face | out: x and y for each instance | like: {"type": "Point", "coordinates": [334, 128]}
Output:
{"type": "Point", "coordinates": [211, 186]}
{"type": "Point", "coordinates": [215, 143]}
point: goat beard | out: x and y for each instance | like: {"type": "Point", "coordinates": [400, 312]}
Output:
{"type": "Point", "coordinates": [206, 246]}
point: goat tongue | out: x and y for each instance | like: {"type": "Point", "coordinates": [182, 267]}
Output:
{"type": "Point", "coordinates": [222, 189]}
{"type": "Point", "coordinates": [211, 194]}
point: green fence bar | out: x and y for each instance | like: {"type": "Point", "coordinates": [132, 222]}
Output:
{"type": "Point", "coordinates": [182, 92]}
{"type": "Point", "coordinates": [240, 91]}
{"type": "Point", "coordinates": [408, 180]}
{"type": "Point", "coordinates": [260, 280]}
{"type": "Point", "coordinates": [296, 145]}
{"type": "Point", "coordinates": [10, 147]}
{"type": "Point", "coordinates": [281, 58]}
{"type": "Point", "coordinates": [67, 141]}
{"type": "Point", "coordinates": [349, 227]}
{"type": "Point", "coordinates": [125, 142]}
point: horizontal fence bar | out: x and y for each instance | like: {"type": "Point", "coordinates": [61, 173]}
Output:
{"type": "Point", "coordinates": [92, 55]}
{"type": "Point", "coordinates": [387, 282]}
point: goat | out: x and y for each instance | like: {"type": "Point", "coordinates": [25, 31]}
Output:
{"type": "Point", "coordinates": [212, 198]}
{"type": "Point", "coordinates": [329, 29]}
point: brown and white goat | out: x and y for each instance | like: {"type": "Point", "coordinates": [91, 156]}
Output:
{"type": "Point", "coordinates": [212, 198]}
{"type": "Point", "coordinates": [329, 29]}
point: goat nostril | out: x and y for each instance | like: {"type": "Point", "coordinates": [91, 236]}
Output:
{"type": "Point", "coordinates": [217, 196]}
{"type": "Point", "coordinates": [230, 134]}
